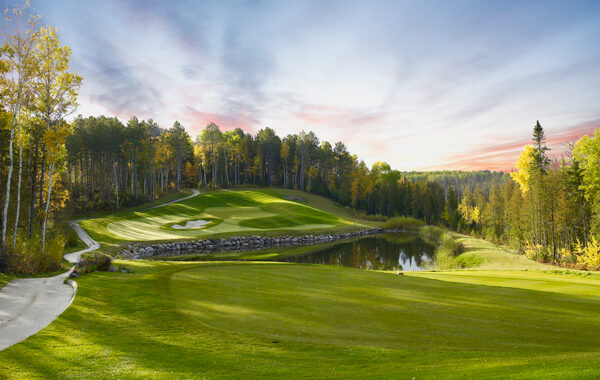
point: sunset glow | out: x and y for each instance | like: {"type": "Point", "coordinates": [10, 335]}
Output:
{"type": "Point", "coordinates": [457, 85]}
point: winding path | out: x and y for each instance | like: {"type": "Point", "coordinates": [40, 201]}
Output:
{"type": "Point", "coordinates": [27, 305]}
{"type": "Point", "coordinates": [194, 193]}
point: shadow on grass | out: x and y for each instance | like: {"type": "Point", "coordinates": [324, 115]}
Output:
{"type": "Point", "coordinates": [141, 325]}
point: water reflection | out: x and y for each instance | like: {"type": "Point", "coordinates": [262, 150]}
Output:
{"type": "Point", "coordinates": [383, 252]}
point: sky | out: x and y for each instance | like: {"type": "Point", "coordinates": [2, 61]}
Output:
{"type": "Point", "coordinates": [423, 85]}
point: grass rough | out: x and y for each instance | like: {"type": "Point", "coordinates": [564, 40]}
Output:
{"type": "Point", "coordinates": [5, 279]}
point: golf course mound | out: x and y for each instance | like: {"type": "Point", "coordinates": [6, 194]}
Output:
{"type": "Point", "coordinates": [218, 212]}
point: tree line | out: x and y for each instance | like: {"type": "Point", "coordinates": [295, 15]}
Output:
{"type": "Point", "coordinates": [110, 164]}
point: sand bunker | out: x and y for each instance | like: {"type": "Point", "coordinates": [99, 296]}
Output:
{"type": "Point", "coordinates": [191, 224]}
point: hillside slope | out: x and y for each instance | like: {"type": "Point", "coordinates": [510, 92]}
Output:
{"type": "Point", "coordinates": [221, 213]}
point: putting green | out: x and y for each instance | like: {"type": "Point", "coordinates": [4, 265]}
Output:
{"type": "Point", "coordinates": [228, 211]}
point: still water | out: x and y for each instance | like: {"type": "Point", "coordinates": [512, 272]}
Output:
{"type": "Point", "coordinates": [400, 251]}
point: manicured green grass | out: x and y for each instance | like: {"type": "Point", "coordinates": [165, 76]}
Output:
{"type": "Point", "coordinates": [80, 245]}
{"type": "Point", "coordinates": [317, 201]}
{"type": "Point", "coordinates": [482, 254]}
{"type": "Point", "coordinates": [235, 212]}
{"type": "Point", "coordinates": [5, 279]}
{"type": "Point", "coordinates": [258, 319]}
{"type": "Point", "coordinates": [183, 320]}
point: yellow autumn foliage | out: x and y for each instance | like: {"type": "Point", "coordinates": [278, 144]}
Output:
{"type": "Point", "coordinates": [523, 174]}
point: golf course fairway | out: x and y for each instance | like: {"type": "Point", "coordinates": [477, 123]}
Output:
{"type": "Point", "coordinates": [195, 320]}
{"type": "Point", "coordinates": [226, 211]}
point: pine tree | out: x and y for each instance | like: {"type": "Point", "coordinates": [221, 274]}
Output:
{"type": "Point", "coordinates": [541, 160]}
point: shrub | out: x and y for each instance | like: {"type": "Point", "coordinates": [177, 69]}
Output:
{"type": "Point", "coordinates": [27, 256]}
{"type": "Point", "coordinates": [564, 255]}
{"type": "Point", "coordinates": [93, 261]}
{"type": "Point", "coordinates": [537, 252]}
{"type": "Point", "coordinates": [589, 255]}
{"type": "Point", "coordinates": [458, 248]}
{"type": "Point", "coordinates": [4, 262]}
{"type": "Point", "coordinates": [470, 260]}
{"type": "Point", "coordinates": [431, 234]}
{"type": "Point", "coordinates": [447, 248]}
{"type": "Point", "coordinates": [363, 215]}
{"type": "Point", "coordinates": [68, 233]}
{"type": "Point", "coordinates": [404, 223]}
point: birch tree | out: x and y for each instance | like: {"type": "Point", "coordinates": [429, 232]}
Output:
{"type": "Point", "coordinates": [56, 93]}
{"type": "Point", "coordinates": [19, 69]}
{"type": "Point", "coordinates": [19, 180]}
{"type": "Point", "coordinates": [54, 139]}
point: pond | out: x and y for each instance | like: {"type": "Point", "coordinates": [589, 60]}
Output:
{"type": "Point", "coordinates": [407, 252]}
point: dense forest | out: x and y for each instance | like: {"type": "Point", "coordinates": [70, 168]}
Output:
{"type": "Point", "coordinates": [544, 209]}
{"type": "Point", "coordinates": [109, 164]}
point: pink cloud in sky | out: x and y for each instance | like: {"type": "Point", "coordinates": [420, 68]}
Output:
{"type": "Point", "coordinates": [395, 81]}
{"type": "Point", "coordinates": [343, 122]}
{"type": "Point", "coordinates": [199, 120]}
{"type": "Point", "coordinates": [502, 156]}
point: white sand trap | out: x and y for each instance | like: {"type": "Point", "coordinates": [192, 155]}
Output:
{"type": "Point", "coordinates": [191, 224]}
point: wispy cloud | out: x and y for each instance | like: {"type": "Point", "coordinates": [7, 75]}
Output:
{"type": "Point", "coordinates": [420, 85]}
{"type": "Point", "coordinates": [502, 155]}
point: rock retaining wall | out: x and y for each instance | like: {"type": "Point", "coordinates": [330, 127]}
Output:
{"type": "Point", "coordinates": [237, 243]}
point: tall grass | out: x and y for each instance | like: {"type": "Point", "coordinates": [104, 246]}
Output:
{"type": "Point", "coordinates": [446, 247]}
{"type": "Point", "coordinates": [359, 214]}
{"type": "Point", "coordinates": [404, 223]}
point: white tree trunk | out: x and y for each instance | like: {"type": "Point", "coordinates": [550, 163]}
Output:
{"type": "Point", "coordinates": [116, 182]}
{"type": "Point", "coordinates": [214, 166]}
{"type": "Point", "coordinates": [167, 177]}
{"type": "Point", "coordinates": [179, 163]}
{"type": "Point", "coordinates": [8, 178]}
{"type": "Point", "coordinates": [18, 187]}
{"type": "Point", "coordinates": [51, 168]}
{"type": "Point", "coordinates": [226, 172]}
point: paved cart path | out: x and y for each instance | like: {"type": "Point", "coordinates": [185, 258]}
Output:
{"type": "Point", "coordinates": [27, 305]}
